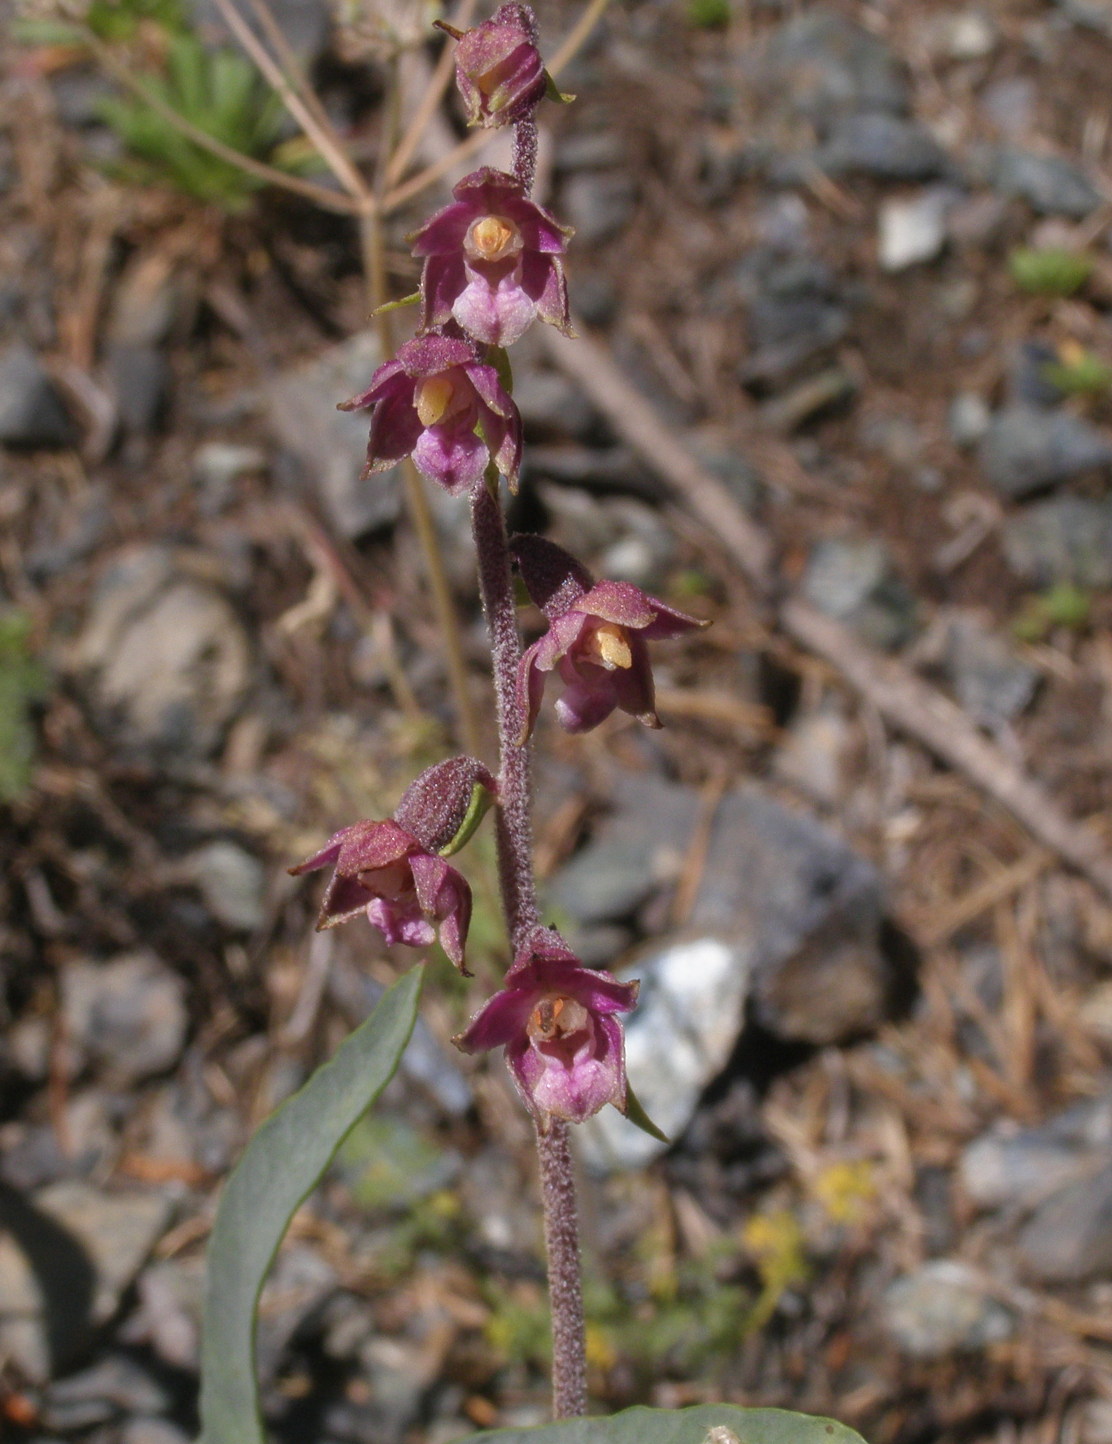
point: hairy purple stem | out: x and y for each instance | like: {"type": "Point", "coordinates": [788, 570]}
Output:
{"type": "Point", "coordinates": [561, 1237]}
{"type": "Point", "coordinates": [525, 153]}
{"type": "Point", "coordinates": [515, 827]}
{"type": "Point", "coordinates": [519, 899]}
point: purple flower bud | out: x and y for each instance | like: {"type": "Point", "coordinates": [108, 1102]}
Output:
{"type": "Point", "coordinates": [407, 891]}
{"type": "Point", "coordinates": [499, 69]}
{"type": "Point", "coordinates": [492, 261]}
{"type": "Point", "coordinates": [596, 640]}
{"type": "Point", "coordinates": [443, 806]}
{"type": "Point", "coordinates": [556, 1020]}
{"type": "Point", "coordinates": [429, 403]}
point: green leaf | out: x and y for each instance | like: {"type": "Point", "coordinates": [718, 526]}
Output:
{"type": "Point", "coordinates": [682, 1426]}
{"type": "Point", "coordinates": [281, 1165]}
{"type": "Point", "coordinates": [23, 681]}
{"type": "Point", "coordinates": [1083, 375]}
{"type": "Point", "coordinates": [1052, 271]}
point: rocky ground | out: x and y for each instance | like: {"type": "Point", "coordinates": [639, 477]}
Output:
{"type": "Point", "coordinates": [857, 257]}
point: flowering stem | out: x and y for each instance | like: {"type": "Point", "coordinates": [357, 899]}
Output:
{"type": "Point", "coordinates": [561, 1236]}
{"type": "Point", "coordinates": [519, 899]}
{"type": "Point", "coordinates": [515, 827]}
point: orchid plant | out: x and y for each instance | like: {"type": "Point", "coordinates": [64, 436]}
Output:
{"type": "Point", "coordinates": [492, 266]}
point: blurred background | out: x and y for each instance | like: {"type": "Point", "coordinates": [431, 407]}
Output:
{"type": "Point", "coordinates": [854, 258]}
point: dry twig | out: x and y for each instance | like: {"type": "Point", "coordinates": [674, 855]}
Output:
{"type": "Point", "coordinates": [902, 698]}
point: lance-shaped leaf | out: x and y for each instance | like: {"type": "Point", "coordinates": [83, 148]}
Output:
{"type": "Point", "coordinates": [702, 1424]}
{"type": "Point", "coordinates": [282, 1164]}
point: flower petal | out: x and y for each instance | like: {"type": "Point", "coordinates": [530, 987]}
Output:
{"type": "Point", "coordinates": [453, 458]}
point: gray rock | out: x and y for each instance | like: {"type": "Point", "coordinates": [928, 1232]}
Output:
{"type": "Point", "coordinates": [804, 909]}
{"type": "Point", "coordinates": [80, 532]}
{"type": "Point", "coordinates": [170, 657]}
{"type": "Point", "coordinates": [66, 1258]}
{"type": "Point", "coordinates": [912, 230]}
{"type": "Point", "coordinates": [851, 579]}
{"type": "Point", "coordinates": [809, 910]}
{"type": "Point", "coordinates": [958, 34]}
{"type": "Point", "coordinates": [112, 1387]}
{"type": "Point", "coordinates": [787, 331]}
{"type": "Point", "coordinates": [152, 1431]}
{"type": "Point", "coordinates": [1011, 104]}
{"type": "Point", "coordinates": [35, 1156]}
{"type": "Point", "coordinates": [1065, 539]}
{"type": "Point", "coordinates": [231, 882]}
{"type": "Point", "coordinates": [329, 445]}
{"type": "Point", "coordinates": [883, 146]}
{"type": "Point", "coordinates": [168, 1318]}
{"type": "Point", "coordinates": [147, 300]}
{"type": "Point", "coordinates": [593, 297]}
{"type": "Point", "coordinates": [1019, 1168]}
{"type": "Point", "coordinates": [426, 1066]}
{"type": "Point", "coordinates": [218, 466]}
{"type": "Point", "coordinates": [299, 1281]}
{"type": "Point", "coordinates": [1091, 14]}
{"type": "Point", "coordinates": [32, 413]}
{"type": "Point", "coordinates": [822, 66]}
{"type": "Point", "coordinates": [1028, 381]}
{"type": "Point", "coordinates": [1069, 1238]}
{"type": "Point", "coordinates": [1026, 449]}
{"type": "Point", "coordinates": [599, 204]}
{"type": "Point", "coordinates": [740, 476]}
{"type": "Point", "coordinates": [1050, 185]}
{"type": "Point", "coordinates": [992, 684]}
{"type": "Point", "coordinates": [828, 390]}
{"type": "Point", "coordinates": [689, 1013]}
{"type": "Point", "coordinates": [609, 880]}
{"type": "Point", "coordinates": [127, 1017]}
{"type": "Point", "coordinates": [549, 402]}
{"type": "Point", "coordinates": [304, 24]}
{"type": "Point", "coordinates": [944, 1308]}
{"type": "Point", "coordinates": [141, 379]}
{"type": "Point", "coordinates": [968, 418]}
{"type": "Point", "coordinates": [814, 753]}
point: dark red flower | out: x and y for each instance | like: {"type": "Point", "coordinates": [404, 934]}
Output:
{"type": "Point", "coordinates": [431, 402]}
{"type": "Point", "coordinates": [557, 1021]}
{"type": "Point", "coordinates": [596, 640]}
{"type": "Point", "coordinates": [492, 261]}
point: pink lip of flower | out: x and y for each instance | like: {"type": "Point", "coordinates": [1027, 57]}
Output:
{"type": "Point", "coordinates": [407, 892]}
{"type": "Point", "coordinates": [428, 403]}
{"type": "Point", "coordinates": [499, 69]}
{"type": "Point", "coordinates": [556, 1020]}
{"type": "Point", "coordinates": [596, 640]}
{"type": "Point", "coordinates": [492, 261]}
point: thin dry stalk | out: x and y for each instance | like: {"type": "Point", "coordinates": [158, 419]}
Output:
{"type": "Point", "coordinates": [328, 144]}
{"type": "Point", "coordinates": [268, 174]}
{"type": "Point", "coordinates": [433, 95]}
{"type": "Point", "coordinates": [295, 71]}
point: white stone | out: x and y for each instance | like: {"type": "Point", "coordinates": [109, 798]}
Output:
{"type": "Point", "coordinates": [679, 1037]}
{"type": "Point", "coordinates": [912, 231]}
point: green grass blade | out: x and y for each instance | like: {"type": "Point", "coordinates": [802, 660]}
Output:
{"type": "Point", "coordinates": [280, 1166]}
